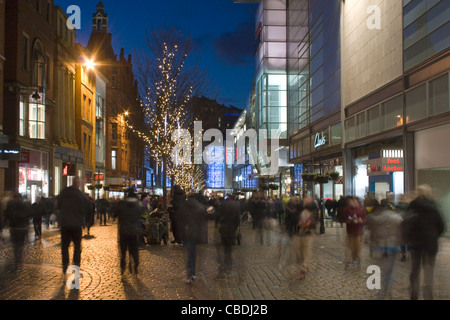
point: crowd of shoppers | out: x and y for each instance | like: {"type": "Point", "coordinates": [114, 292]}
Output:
{"type": "Point", "coordinates": [406, 227]}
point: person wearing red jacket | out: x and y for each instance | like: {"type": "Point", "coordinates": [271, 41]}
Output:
{"type": "Point", "coordinates": [355, 218]}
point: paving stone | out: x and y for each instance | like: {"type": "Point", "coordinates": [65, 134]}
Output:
{"type": "Point", "coordinates": [259, 272]}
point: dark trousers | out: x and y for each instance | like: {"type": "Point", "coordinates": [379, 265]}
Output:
{"type": "Point", "coordinates": [227, 250]}
{"type": "Point", "coordinates": [103, 218]}
{"type": "Point", "coordinates": [18, 237]}
{"type": "Point", "coordinates": [37, 224]}
{"type": "Point", "coordinates": [68, 235]}
{"type": "Point", "coordinates": [191, 247]}
{"type": "Point", "coordinates": [129, 243]}
{"type": "Point", "coordinates": [420, 257]}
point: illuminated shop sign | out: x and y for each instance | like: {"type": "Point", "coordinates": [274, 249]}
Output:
{"type": "Point", "coordinates": [10, 152]}
{"type": "Point", "coordinates": [392, 160]}
{"type": "Point", "coordinates": [319, 140]}
{"type": "Point", "coordinates": [374, 167]}
{"type": "Point", "coordinates": [68, 169]}
{"type": "Point", "coordinates": [99, 177]}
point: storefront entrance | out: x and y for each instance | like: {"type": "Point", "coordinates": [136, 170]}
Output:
{"type": "Point", "coordinates": [34, 189]}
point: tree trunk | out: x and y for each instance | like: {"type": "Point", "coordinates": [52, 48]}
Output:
{"type": "Point", "coordinates": [165, 183]}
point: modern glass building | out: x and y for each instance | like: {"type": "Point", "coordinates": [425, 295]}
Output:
{"type": "Point", "coordinates": [271, 84]}
{"type": "Point", "coordinates": [314, 82]}
{"type": "Point", "coordinates": [367, 92]}
{"type": "Point", "coordinates": [396, 98]}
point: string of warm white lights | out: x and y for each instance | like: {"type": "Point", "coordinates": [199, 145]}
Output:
{"type": "Point", "coordinates": [165, 113]}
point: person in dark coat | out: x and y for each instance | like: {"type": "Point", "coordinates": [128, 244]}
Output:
{"type": "Point", "coordinates": [259, 215]}
{"type": "Point", "coordinates": [102, 209]}
{"type": "Point", "coordinates": [292, 216]}
{"type": "Point", "coordinates": [128, 212]}
{"type": "Point", "coordinates": [39, 210]}
{"type": "Point", "coordinates": [178, 203]}
{"type": "Point", "coordinates": [90, 214]}
{"type": "Point", "coordinates": [340, 206]}
{"type": "Point", "coordinates": [18, 214]}
{"type": "Point", "coordinates": [72, 206]}
{"type": "Point", "coordinates": [191, 219]}
{"type": "Point", "coordinates": [229, 223]}
{"type": "Point", "coordinates": [422, 226]}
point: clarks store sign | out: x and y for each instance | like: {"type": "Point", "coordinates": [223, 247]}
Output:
{"type": "Point", "coordinates": [319, 140]}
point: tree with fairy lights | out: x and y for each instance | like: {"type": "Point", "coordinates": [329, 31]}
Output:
{"type": "Point", "coordinates": [167, 86]}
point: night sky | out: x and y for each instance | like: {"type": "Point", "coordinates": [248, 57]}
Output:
{"type": "Point", "coordinates": [223, 34]}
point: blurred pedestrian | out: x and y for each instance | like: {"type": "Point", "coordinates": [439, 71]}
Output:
{"type": "Point", "coordinates": [178, 207]}
{"type": "Point", "coordinates": [384, 225]}
{"type": "Point", "coordinates": [373, 210]}
{"type": "Point", "coordinates": [18, 214]}
{"type": "Point", "coordinates": [229, 223]}
{"type": "Point", "coordinates": [72, 206]}
{"type": "Point", "coordinates": [191, 220]}
{"type": "Point", "coordinates": [284, 201]}
{"type": "Point", "coordinates": [401, 207]}
{"type": "Point", "coordinates": [102, 206]}
{"type": "Point", "coordinates": [50, 205]}
{"type": "Point", "coordinates": [355, 218]}
{"type": "Point", "coordinates": [90, 214]}
{"type": "Point", "coordinates": [422, 226]}
{"type": "Point", "coordinates": [39, 211]}
{"type": "Point", "coordinates": [259, 215]}
{"type": "Point", "coordinates": [292, 216]}
{"type": "Point", "coordinates": [307, 223]}
{"type": "Point", "coordinates": [340, 206]}
{"type": "Point", "coordinates": [128, 212]}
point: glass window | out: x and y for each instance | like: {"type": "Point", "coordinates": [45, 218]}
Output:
{"type": "Point", "coordinates": [113, 81]}
{"type": "Point", "coordinates": [306, 146]}
{"type": "Point", "coordinates": [361, 124]}
{"type": "Point", "coordinates": [84, 106]}
{"type": "Point", "coordinates": [350, 129]}
{"type": "Point", "coordinates": [439, 95]}
{"type": "Point", "coordinates": [416, 8]}
{"type": "Point", "coordinates": [392, 113]}
{"type": "Point", "coordinates": [22, 110]}
{"type": "Point", "coordinates": [113, 159]}
{"type": "Point", "coordinates": [336, 134]}
{"type": "Point", "coordinates": [114, 131]}
{"type": "Point", "coordinates": [36, 120]}
{"type": "Point", "coordinates": [374, 120]}
{"type": "Point", "coordinates": [432, 44]}
{"type": "Point", "coordinates": [25, 49]}
{"type": "Point", "coordinates": [427, 23]}
{"type": "Point", "coordinates": [416, 104]}
{"type": "Point", "coordinates": [89, 109]}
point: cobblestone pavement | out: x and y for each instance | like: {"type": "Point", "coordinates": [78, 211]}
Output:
{"type": "Point", "coordinates": [260, 271]}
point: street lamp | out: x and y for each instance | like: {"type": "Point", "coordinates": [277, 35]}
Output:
{"type": "Point", "coordinates": [90, 64]}
{"type": "Point", "coordinates": [36, 95]}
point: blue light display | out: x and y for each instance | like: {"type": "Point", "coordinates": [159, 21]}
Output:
{"type": "Point", "coordinates": [215, 172]}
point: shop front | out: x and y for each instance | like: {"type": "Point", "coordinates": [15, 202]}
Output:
{"type": "Point", "coordinates": [432, 165]}
{"type": "Point", "coordinates": [385, 172]}
{"type": "Point", "coordinates": [319, 157]}
{"type": "Point", "coordinates": [378, 169]}
{"type": "Point", "coordinates": [33, 174]}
